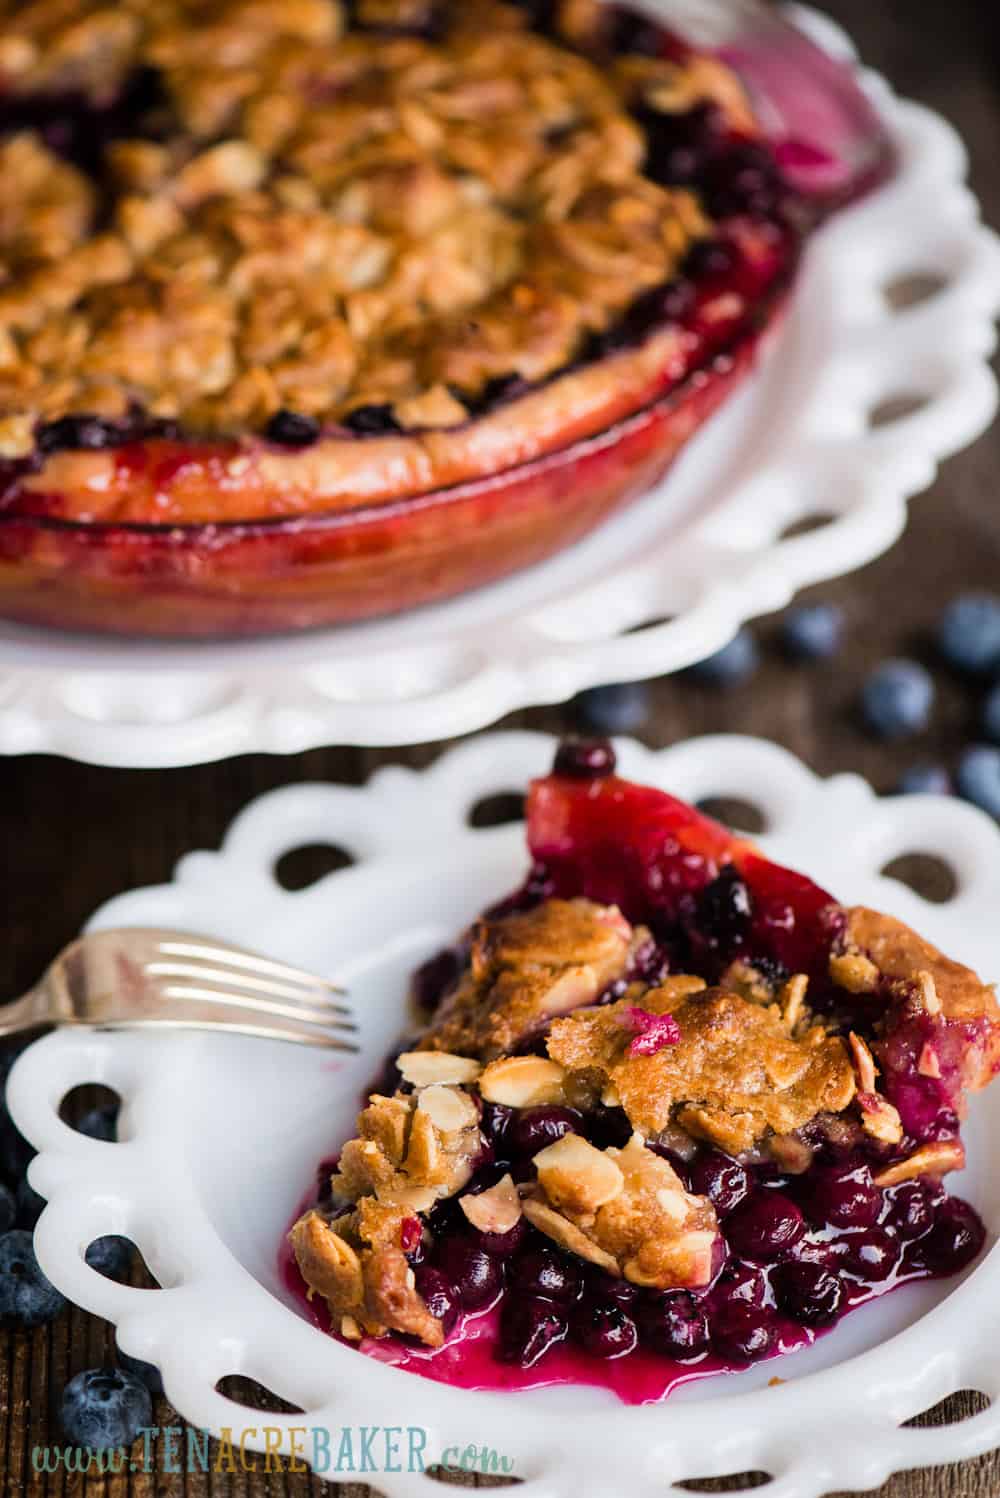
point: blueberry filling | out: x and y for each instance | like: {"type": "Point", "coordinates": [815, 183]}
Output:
{"type": "Point", "coordinates": [292, 429]}
{"type": "Point", "coordinates": [372, 421]}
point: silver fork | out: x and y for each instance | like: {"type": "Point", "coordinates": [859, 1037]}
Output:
{"type": "Point", "coordinates": [141, 978]}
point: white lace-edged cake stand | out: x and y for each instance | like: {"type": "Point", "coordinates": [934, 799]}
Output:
{"type": "Point", "coordinates": [220, 1136]}
{"type": "Point", "coordinates": [857, 402]}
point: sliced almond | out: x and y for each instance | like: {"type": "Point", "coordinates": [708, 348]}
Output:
{"type": "Point", "coordinates": [449, 1109]}
{"type": "Point", "coordinates": [929, 1064]}
{"type": "Point", "coordinates": [855, 973]}
{"type": "Point", "coordinates": [568, 1235]}
{"type": "Point", "coordinates": [423, 1151]}
{"type": "Point", "coordinates": [424, 1068]}
{"type": "Point", "coordinates": [576, 1176]}
{"type": "Point", "coordinates": [929, 1160]}
{"type": "Point", "coordinates": [673, 1203]}
{"type": "Point", "coordinates": [864, 1063]}
{"type": "Point", "coordinates": [497, 1210]}
{"type": "Point", "coordinates": [879, 1118]}
{"type": "Point", "coordinates": [350, 1329]}
{"type": "Point", "coordinates": [793, 997]}
{"type": "Point", "coordinates": [412, 1198]}
{"type": "Point", "coordinates": [928, 992]}
{"type": "Point", "coordinates": [523, 1081]}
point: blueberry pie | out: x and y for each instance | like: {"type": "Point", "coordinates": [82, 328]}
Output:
{"type": "Point", "coordinates": [673, 1109]}
{"type": "Point", "coordinates": [314, 310]}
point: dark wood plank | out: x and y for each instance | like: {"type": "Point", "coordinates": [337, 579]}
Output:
{"type": "Point", "coordinates": [75, 835]}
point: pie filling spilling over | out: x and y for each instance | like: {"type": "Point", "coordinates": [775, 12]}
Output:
{"type": "Point", "coordinates": [674, 1109]}
{"type": "Point", "coordinates": [238, 239]}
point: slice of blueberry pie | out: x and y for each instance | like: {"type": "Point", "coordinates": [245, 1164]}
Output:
{"type": "Point", "coordinates": [673, 1109]}
{"type": "Point", "coordinates": [315, 310]}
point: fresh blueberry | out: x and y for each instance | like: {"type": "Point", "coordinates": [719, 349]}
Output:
{"type": "Point", "coordinates": [100, 1123]}
{"type": "Point", "coordinates": [978, 777]}
{"type": "Point", "coordinates": [991, 715]}
{"type": "Point", "coordinates": [621, 708]}
{"type": "Point", "coordinates": [897, 698]}
{"type": "Point", "coordinates": [734, 663]}
{"type": "Point", "coordinates": [29, 1204]}
{"type": "Point", "coordinates": [924, 780]}
{"type": "Point", "coordinates": [110, 1256]}
{"type": "Point", "coordinates": [812, 632]}
{"type": "Point", "coordinates": [8, 1209]}
{"type": "Point", "coordinates": [969, 633]}
{"type": "Point", "coordinates": [104, 1408]}
{"type": "Point", "coordinates": [26, 1297]}
{"type": "Point", "coordinates": [147, 1372]}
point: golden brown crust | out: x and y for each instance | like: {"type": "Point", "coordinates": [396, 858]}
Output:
{"type": "Point", "coordinates": [320, 219]}
{"type": "Point", "coordinates": [527, 968]}
{"type": "Point", "coordinates": [734, 1075]}
{"type": "Point", "coordinates": [901, 956]}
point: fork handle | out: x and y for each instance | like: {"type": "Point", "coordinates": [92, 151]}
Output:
{"type": "Point", "coordinates": [26, 1013]}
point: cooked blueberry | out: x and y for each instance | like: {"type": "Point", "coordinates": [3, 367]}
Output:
{"type": "Point", "coordinates": [674, 1325]}
{"type": "Point", "coordinates": [808, 1293]}
{"type": "Point", "coordinates": [110, 1256]}
{"type": "Point", "coordinates": [585, 759]}
{"type": "Point", "coordinates": [743, 179]}
{"type": "Point", "coordinates": [843, 1196]}
{"type": "Point", "coordinates": [8, 1209]}
{"type": "Point", "coordinates": [29, 1204]}
{"type": "Point", "coordinates": [146, 1372]}
{"type": "Point", "coordinates": [26, 1297]}
{"type": "Point", "coordinates": [477, 1278]}
{"type": "Point", "coordinates": [725, 1182]}
{"type": "Point", "coordinates": [955, 1239]}
{"type": "Point", "coordinates": [105, 1408]}
{"type": "Point", "coordinates": [678, 146]}
{"type": "Point", "coordinates": [621, 708]}
{"type": "Point", "coordinates": [438, 1295]}
{"type": "Point", "coordinates": [734, 663]}
{"type": "Point", "coordinates": [534, 1128]}
{"type": "Point", "coordinates": [812, 632]}
{"type": "Point", "coordinates": [977, 777]}
{"type": "Point", "coordinates": [635, 33]}
{"type": "Point", "coordinates": [502, 1245]}
{"type": "Point", "coordinates": [969, 633]}
{"type": "Point", "coordinates": [528, 1328]}
{"type": "Point", "coordinates": [744, 1333]}
{"type": "Point", "coordinates": [924, 780]}
{"type": "Point", "coordinates": [725, 911]}
{"type": "Point", "coordinates": [496, 1123]}
{"type": "Point", "coordinates": [871, 1255]}
{"type": "Point", "coordinates": [292, 429]}
{"type": "Point", "coordinates": [100, 1123]}
{"type": "Point", "coordinates": [607, 1289]}
{"type": "Point", "coordinates": [372, 420]}
{"type": "Point", "coordinates": [765, 1227]}
{"type": "Point", "coordinates": [76, 432]}
{"type": "Point", "coordinates": [433, 978]}
{"type": "Point", "coordinates": [896, 699]}
{"type": "Point", "coordinates": [603, 1329]}
{"type": "Point", "coordinates": [608, 1128]}
{"type": "Point", "coordinates": [911, 1209]}
{"type": "Point", "coordinates": [544, 1272]}
{"type": "Point", "coordinates": [744, 1284]}
{"type": "Point", "coordinates": [501, 388]}
{"type": "Point", "coordinates": [711, 260]}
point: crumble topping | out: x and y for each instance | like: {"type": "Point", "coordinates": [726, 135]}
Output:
{"type": "Point", "coordinates": [625, 1210]}
{"type": "Point", "coordinates": [411, 1149]}
{"type": "Point", "coordinates": [525, 969]}
{"type": "Point", "coordinates": [304, 215]}
{"type": "Point", "coordinates": [734, 1075]}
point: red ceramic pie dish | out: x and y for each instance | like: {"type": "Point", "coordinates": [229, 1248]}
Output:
{"type": "Point", "coordinates": [409, 471]}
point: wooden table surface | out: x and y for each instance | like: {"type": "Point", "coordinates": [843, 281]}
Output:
{"type": "Point", "coordinates": [77, 835]}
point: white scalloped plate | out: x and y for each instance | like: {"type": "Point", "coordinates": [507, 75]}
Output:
{"type": "Point", "coordinates": [660, 586]}
{"type": "Point", "coordinates": [221, 1137]}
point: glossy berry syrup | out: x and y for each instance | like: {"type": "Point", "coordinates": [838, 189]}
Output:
{"type": "Point", "coordinates": [801, 1252]}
